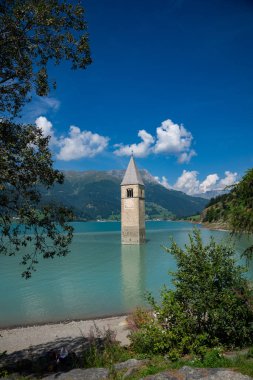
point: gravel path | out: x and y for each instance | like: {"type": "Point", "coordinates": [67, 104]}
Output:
{"type": "Point", "coordinates": [23, 338]}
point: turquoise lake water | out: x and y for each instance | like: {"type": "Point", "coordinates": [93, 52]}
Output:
{"type": "Point", "coordinates": [98, 278]}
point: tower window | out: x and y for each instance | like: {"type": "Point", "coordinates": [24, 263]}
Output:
{"type": "Point", "coordinates": [130, 193]}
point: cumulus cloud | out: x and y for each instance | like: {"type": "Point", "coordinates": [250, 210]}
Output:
{"type": "Point", "coordinates": [81, 144]}
{"type": "Point", "coordinates": [139, 150]}
{"type": "Point", "coordinates": [190, 184]}
{"type": "Point", "coordinates": [45, 125]}
{"type": "Point", "coordinates": [187, 182]}
{"type": "Point", "coordinates": [76, 145]}
{"type": "Point", "coordinates": [170, 139]}
{"type": "Point", "coordinates": [47, 129]}
{"type": "Point", "coordinates": [229, 179]}
{"type": "Point", "coordinates": [163, 181]}
{"type": "Point", "coordinates": [209, 183]}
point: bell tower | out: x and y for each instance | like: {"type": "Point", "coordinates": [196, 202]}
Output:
{"type": "Point", "coordinates": [132, 206]}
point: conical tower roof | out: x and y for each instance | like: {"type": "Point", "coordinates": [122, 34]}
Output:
{"type": "Point", "coordinates": [132, 175]}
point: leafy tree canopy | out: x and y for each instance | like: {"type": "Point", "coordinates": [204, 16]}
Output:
{"type": "Point", "coordinates": [235, 208]}
{"type": "Point", "coordinates": [26, 165]}
{"type": "Point", "coordinates": [241, 204]}
{"type": "Point", "coordinates": [32, 33]}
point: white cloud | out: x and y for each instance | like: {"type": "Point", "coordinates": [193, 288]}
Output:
{"type": "Point", "coordinates": [170, 139]}
{"type": "Point", "coordinates": [186, 156]}
{"type": "Point", "coordinates": [81, 144]}
{"type": "Point", "coordinates": [209, 183]}
{"type": "Point", "coordinates": [189, 183]}
{"type": "Point", "coordinates": [76, 145]}
{"type": "Point", "coordinates": [139, 150]}
{"type": "Point", "coordinates": [229, 179]}
{"type": "Point", "coordinates": [164, 182]}
{"type": "Point", "coordinates": [45, 125]}
{"type": "Point", "coordinates": [47, 129]}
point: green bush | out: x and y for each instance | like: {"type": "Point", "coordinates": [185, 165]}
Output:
{"type": "Point", "coordinates": [210, 306]}
{"type": "Point", "coordinates": [103, 349]}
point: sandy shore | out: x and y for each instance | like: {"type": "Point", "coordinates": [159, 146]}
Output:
{"type": "Point", "coordinates": [24, 338]}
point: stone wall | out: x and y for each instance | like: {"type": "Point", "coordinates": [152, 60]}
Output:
{"type": "Point", "coordinates": [133, 215]}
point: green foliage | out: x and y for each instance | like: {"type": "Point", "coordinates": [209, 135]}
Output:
{"type": "Point", "coordinates": [176, 202]}
{"type": "Point", "coordinates": [242, 364]}
{"type": "Point", "coordinates": [217, 209]}
{"type": "Point", "coordinates": [155, 211]}
{"type": "Point", "coordinates": [210, 306]}
{"type": "Point", "coordinates": [241, 205]}
{"type": "Point", "coordinates": [213, 358]}
{"type": "Point", "coordinates": [194, 218]}
{"type": "Point", "coordinates": [219, 199]}
{"type": "Point", "coordinates": [32, 33]}
{"type": "Point", "coordinates": [216, 213]}
{"type": "Point", "coordinates": [103, 349]}
{"type": "Point", "coordinates": [26, 165]}
{"type": "Point", "coordinates": [235, 208]}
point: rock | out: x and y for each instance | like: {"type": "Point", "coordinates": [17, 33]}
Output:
{"type": "Point", "coordinates": [97, 373]}
{"type": "Point", "coordinates": [131, 363]}
{"type": "Point", "coordinates": [211, 374]}
{"type": "Point", "coordinates": [81, 374]}
{"type": "Point", "coordinates": [188, 373]}
{"type": "Point", "coordinates": [24, 365]}
{"type": "Point", "coordinates": [130, 372]}
{"type": "Point", "coordinates": [166, 375]}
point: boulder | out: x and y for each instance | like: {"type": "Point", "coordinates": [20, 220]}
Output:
{"type": "Point", "coordinates": [188, 373]}
{"type": "Point", "coordinates": [80, 374]}
{"type": "Point", "coordinates": [131, 363]}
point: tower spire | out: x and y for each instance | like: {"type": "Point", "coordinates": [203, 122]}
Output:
{"type": "Point", "coordinates": [132, 175]}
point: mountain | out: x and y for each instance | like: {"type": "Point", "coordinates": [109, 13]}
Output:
{"type": "Point", "coordinates": [96, 195]}
{"type": "Point", "coordinates": [216, 211]}
{"type": "Point", "coordinates": [211, 194]}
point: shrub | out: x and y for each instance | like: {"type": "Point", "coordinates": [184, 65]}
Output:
{"type": "Point", "coordinates": [138, 318]}
{"type": "Point", "coordinates": [103, 349]}
{"type": "Point", "coordinates": [211, 304]}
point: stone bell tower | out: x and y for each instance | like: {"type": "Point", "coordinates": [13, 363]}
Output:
{"type": "Point", "coordinates": [132, 206]}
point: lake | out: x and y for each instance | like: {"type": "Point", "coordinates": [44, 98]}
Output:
{"type": "Point", "coordinates": [98, 278]}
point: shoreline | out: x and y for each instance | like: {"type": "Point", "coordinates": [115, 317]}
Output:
{"type": "Point", "coordinates": [54, 334]}
{"type": "Point", "coordinates": [63, 321]}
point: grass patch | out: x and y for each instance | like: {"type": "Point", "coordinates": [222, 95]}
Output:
{"type": "Point", "coordinates": [212, 359]}
{"type": "Point", "coordinates": [103, 349]}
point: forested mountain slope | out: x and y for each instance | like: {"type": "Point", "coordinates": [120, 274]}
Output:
{"type": "Point", "coordinates": [96, 194]}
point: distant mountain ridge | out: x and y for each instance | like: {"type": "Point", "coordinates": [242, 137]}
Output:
{"type": "Point", "coordinates": [96, 195]}
{"type": "Point", "coordinates": [211, 194]}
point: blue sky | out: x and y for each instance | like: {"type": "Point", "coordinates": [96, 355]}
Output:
{"type": "Point", "coordinates": [173, 75]}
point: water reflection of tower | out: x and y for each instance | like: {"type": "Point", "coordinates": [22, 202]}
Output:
{"type": "Point", "coordinates": [133, 275]}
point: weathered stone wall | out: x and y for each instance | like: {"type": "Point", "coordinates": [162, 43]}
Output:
{"type": "Point", "coordinates": [133, 215]}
